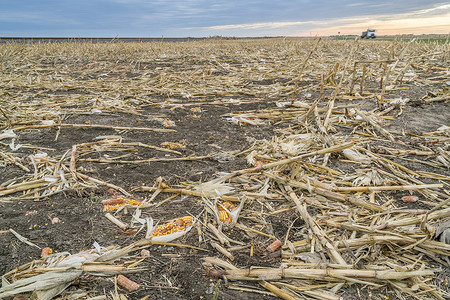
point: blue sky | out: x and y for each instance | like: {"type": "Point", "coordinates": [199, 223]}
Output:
{"type": "Point", "coordinates": [196, 18]}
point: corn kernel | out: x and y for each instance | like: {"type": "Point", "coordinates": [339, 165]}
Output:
{"type": "Point", "coordinates": [223, 214]}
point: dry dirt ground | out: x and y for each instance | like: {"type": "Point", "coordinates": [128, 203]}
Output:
{"type": "Point", "coordinates": [173, 272]}
{"type": "Point", "coordinates": [81, 213]}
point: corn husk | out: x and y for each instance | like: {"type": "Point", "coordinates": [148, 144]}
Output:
{"type": "Point", "coordinates": [354, 155]}
{"type": "Point", "coordinates": [46, 286]}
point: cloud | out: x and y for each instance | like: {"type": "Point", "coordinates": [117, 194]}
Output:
{"type": "Point", "coordinates": [438, 9]}
{"type": "Point", "coordinates": [433, 20]}
{"type": "Point", "coordinates": [422, 21]}
{"type": "Point", "coordinates": [146, 18]}
{"type": "Point", "coordinates": [258, 25]}
{"type": "Point", "coordinates": [356, 4]}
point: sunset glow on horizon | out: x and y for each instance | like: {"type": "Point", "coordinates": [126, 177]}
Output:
{"type": "Point", "coordinates": [202, 18]}
{"type": "Point", "coordinates": [417, 24]}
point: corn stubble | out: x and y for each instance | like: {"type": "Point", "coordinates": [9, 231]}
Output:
{"type": "Point", "coordinates": [343, 186]}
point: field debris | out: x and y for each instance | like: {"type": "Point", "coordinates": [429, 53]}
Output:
{"type": "Point", "coordinates": [170, 230]}
{"type": "Point", "coordinates": [120, 202]}
{"type": "Point", "coordinates": [328, 194]}
{"type": "Point", "coordinates": [126, 283]}
{"type": "Point", "coordinates": [53, 273]}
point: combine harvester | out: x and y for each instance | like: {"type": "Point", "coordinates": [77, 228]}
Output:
{"type": "Point", "coordinates": [368, 34]}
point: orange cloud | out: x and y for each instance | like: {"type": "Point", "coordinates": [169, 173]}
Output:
{"type": "Point", "coordinates": [438, 21]}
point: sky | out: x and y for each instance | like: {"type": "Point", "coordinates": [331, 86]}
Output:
{"type": "Point", "coordinates": [200, 18]}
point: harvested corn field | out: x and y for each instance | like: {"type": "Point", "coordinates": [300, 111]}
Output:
{"type": "Point", "coordinates": [225, 169]}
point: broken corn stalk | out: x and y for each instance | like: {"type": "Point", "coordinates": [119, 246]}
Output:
{"type": "Point", "coordinates": [274, 246]}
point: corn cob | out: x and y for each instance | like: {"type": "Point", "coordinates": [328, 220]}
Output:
{"type": "Point", "coordinates": [119, 202]}
{"type": "Point", "coordinates": [177, 225]}
{"type": "Point", "coordinates": [127, 283]}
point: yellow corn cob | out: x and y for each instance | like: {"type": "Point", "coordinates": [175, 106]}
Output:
{"type": "Point", "coordinates": [173, 226]}
{"type": "Point", "coordinates": [129, 202]}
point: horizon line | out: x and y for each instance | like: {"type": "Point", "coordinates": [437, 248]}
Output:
{"type": "Point", "coordinates": [214, 36]}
